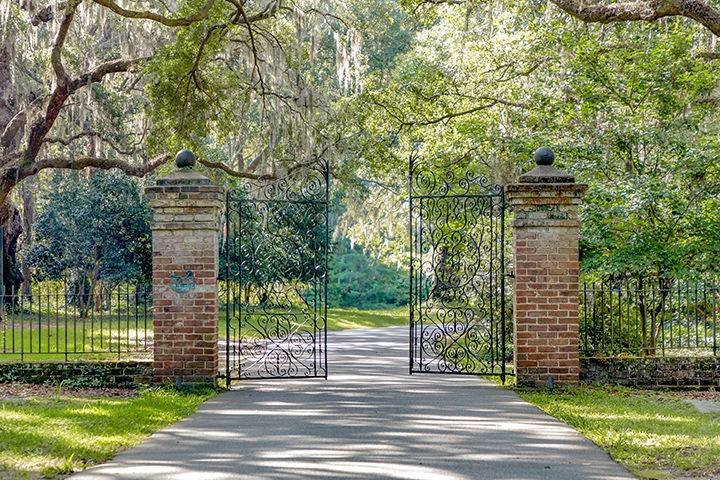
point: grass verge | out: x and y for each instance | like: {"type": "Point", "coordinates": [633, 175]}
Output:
{"type": "Point", "coordinates": [655, 435]}
{"type": "Point", "coordinates": [48, 437]}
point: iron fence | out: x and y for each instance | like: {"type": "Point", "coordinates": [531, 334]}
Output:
{"type": "Point", "coordinates": [56, 320]}
{"type": "Point", "coordinates": [667, 317]}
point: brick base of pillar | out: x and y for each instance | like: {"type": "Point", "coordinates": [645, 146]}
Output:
{"type": "Point", "coordinates": [546, 305]}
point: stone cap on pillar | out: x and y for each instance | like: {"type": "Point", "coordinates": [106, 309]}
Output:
{"type": "Point", "coordinates": [544, 172]}
{"type": "Point", "coordinates": [184, 174]}
{"type": "Point", "coordinates": [545, 181]}
{"type": "Point", "coordinates": [545, 196]}
{"type": "Point", "coordinates": [185, 199]}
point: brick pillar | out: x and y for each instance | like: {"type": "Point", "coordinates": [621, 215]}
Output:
{"type": "Point", "coordinates": [185, 228]}
{"type": "Point", "coordinates": [546, 264]}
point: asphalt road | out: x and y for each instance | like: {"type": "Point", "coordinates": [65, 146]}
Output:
{"type": "Point", "coordinates": [370, 420]}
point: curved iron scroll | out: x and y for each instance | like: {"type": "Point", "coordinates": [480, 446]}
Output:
{"type": "Point", "coordinates": [457, 272]}
{"type": "Point", "coordinates": [275, 277]}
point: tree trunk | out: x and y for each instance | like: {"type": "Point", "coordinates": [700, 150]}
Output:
{"type": "Point", "coordinates": [442, 276]}
{"type": "Point", "coordinates": [96, 290]}
{"type": "Point", "coordinates": [642, 310]}
{"type": "Point", "coordinates": [664, 286]}
{"type": "Point", "coordinates": [12, 228]}
{"type": "Point", "coordinates": [27, 194]}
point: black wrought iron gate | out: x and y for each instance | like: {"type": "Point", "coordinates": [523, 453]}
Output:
{"type": "Point", "coordinates": [458, 314]}
{"type": "Point", "coordinates": [274, 281]}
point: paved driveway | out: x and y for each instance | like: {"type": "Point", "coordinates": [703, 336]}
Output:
{"type": "Point", "coordinates": [370, 420]}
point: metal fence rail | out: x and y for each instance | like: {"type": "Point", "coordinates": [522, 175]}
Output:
{"type": "Point", "coordinates": [669, 317]}
{"type": "Point", "coordinates": [57, 321]}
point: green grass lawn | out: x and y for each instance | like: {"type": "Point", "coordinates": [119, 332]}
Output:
{"type": "Point", "coordinates": [655, 435]}
{"type": "Point", "coordinates": [340, 319]}
{"type": "Point", "coordinates": [94, 337]}
{"type": "Point", "coordinates": [348, 318]}
{"type": "Point", "coordinates": [106, 339]}
{"type": "Point", "coordinates": [51, 436]}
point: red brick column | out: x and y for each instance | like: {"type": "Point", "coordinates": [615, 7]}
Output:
{"type": "Point", "coordinates": [546, 264]}
{"type": "Point", "coordinates": [185, 227]}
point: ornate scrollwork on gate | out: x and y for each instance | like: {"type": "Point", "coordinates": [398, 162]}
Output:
{"type": "Point", "coordinates": [276, 245]}
{"type": "Point", "coordinates": [457, 272]}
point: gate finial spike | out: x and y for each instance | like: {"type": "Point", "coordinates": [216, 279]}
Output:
{"type": "Point", "coordinates": [544, 156]}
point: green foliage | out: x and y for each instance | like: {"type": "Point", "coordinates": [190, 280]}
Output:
{"type": "Point", "coordinates": [357, 280]}
{"type": "Point", "coordinates": [191, 93]}
{"type": "Point", "coordinates": [72, 374]}
{"type": "Point", "coordinates": [375, 217]}
{"type": "Point", "coordinates": [94, 226]}
{"type": "Point", "coordinates": [630, 109]}
{"type": "Point", "coordinates": [645, 139]}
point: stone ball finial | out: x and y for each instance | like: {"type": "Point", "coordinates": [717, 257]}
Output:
{"type": "Point", "coordinates": [544, 156]}
{"type": "Point", "coordinates": [185, 159]}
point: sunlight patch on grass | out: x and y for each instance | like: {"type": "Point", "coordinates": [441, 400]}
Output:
{"type": "Point", "coordinates": [655, 435]}
{"type": "Point", "coordinates": [52, 436]}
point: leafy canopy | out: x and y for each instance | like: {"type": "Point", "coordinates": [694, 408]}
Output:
{"type": "Point", "coordinates": [96, 226]}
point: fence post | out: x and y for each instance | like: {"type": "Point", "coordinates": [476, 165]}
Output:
{"type": "Point", "coordinates": [546, 263]}
{"type": "Point", "coordinates": [185, 228]}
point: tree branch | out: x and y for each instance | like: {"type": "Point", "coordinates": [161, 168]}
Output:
{"type": "Point", "coordinates": [98, 73]}
{"type": "Point", "coordinates": [67, 141]}
{"type": "Point", "coordinates": [643, 10]}
{"type": "Point", "coordinates": [202, 14]}
{"type": "Point", "coordinates": [42, 126]}
{"type": "Point", "coordinates": [56, 53]}
{"type": "Point", "coordinates": [709, 55]}
{"type": "Point", "coordinates": [97, 162]}
{"type": "Point", "coordinates": [12, 128]}
{"type": "Point", "coordinates": [267, 12]}
{"type": "Point", "coordinates": [448, 116]}
{"type": "Point", "coordinates": [44, 14]}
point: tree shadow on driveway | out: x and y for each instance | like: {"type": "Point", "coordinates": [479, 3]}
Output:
{"type": "Point", "coordinates": [370, 420]}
